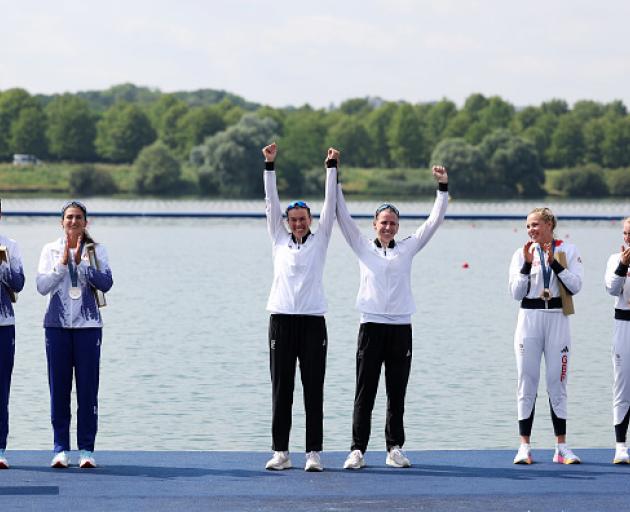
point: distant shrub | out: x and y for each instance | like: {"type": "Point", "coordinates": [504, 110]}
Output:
{"type": "Point", "coordinates": [90, 181]}
{"type": "Point", "coordinates": [581, 182]}
{"type": "Point", "coordinates": [618, 182]}
{"type": "Point", "coordinates": [157, 171]}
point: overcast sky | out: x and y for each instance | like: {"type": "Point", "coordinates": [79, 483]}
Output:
{"type": "Point", "coordinates": [291, 52]}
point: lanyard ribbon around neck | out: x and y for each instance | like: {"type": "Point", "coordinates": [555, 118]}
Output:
{"type": "Point", "coordinates": [74, 273]}
{"type": "Point", "coordinates": [546, 269]}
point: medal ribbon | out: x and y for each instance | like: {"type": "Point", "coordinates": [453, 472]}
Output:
{"type": "Point", "coordinates": [546, 270]}
{"type": "Point", "coordinates": [74, 273]}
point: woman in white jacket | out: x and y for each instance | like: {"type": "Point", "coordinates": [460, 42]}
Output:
{"type": "Point", "coordinates": [297, 304]}
{"type": "Point", "coordinates": [618, 286]}
{"type": "Point", "coordinates": [535, 280]}
{"type": "Point", "coordinates": [386, 305]}
{"type": "Point", "coordinates": [73, 329]}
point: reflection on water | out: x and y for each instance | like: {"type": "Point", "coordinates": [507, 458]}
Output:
{"type": "Point", "coordinates": [185, 363]}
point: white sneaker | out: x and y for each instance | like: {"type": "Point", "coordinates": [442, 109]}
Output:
{"type": "Point", "coordinates": [354, 460]}
{"type": "Point", "coordinates": [396, 458]}
{"type": "Point", "coordinates": [313, 462]}
{"type": "Point", "coordinates": [621, 454]}
{"type": "Point", "coordinates": [524, 454]}
{"type": "Point", "coordinates": [60, 460]}
{"type": "Point", "coordinates": [564, 455]}
{"type": "Point", "coordinates": [4, 464]}
{"type": "Point", "coordinates": [279, 461]}
{"type": "Point", "coordinates": [86, 459]}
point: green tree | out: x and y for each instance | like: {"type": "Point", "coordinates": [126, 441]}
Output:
{"type": "Point", "coordinates": [619, 182]}
{"type": "Point", "coordinates": [567, 143]}
{"type": "Point", "coordinates": [474, 104]}
{"type": "Point", "coordinates": [616, 143]}
{"type": "Point", "coordinates": [122, 132]}
{"type": "Point", "coordinates": [526, 118]}
{"type": "Point", "coordinates": [156, 171]}
{"type": "Point", "coordinates": [377, 125]}
{"type": "Point", "coordinates": [586, 110]}
{"type": "Point", "coordinates": [465, 164]}
{"type": "Point", "coordinates": [302, 147]}
{"type": "Point", "coordinates": [232, 157]}
{"type": "Point", "coordinates": [436, 120]}
{"type": "Point", "coordinates": [12, 103]}
{"type": "Point", "coordinates": [71, 129]}
{"type": "Point", "coordinates": [497, 113]}
{"type": "Point", "coordinates": [352, 139]}
{"type": "Point", "coordinates": [90, 181]}
{"type": "Point", "coordinates": [356, 106]}
{"type": "Point", "coordinates": [513, 165]}
{"type": "Point", "coordinates": [405, 137]}
{"type": "Point", "coordinates": [197, 124]}
{"type": "Point", "coordinates": [581, 182]}
{"type": "Point", "coordinates": [170, 126]}
{"type": "Point", "coordinates": [458, 125]}
{"type": "Point", "coordinates": [555, 107]}
{"type": "Point", "coordinates": [28, 132]}
{"type": "Point", "coordinates": [593, 132]}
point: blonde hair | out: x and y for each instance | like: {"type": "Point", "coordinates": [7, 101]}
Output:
{"type": "Point", "coordinates": [546, 215]}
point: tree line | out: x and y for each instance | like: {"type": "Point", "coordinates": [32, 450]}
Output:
{"type": "Point", "coordinates": [491, 147]}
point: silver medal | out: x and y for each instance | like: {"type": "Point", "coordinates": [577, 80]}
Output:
{"type": "Point", "coordinates": [74, 292]}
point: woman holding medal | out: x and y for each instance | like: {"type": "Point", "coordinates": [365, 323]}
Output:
{"type": "Point", "coordinates": [386, 305]}
{"type": "Point", "coordinates": [618, 286]}
{"type": "Point", "coordinates": [297, 327]}
{"type": "Point", "coordinates": [11, 282]}
{"type": "Point", "coordinates": [536, 277]}
{"type": "Point", "coordinates": [73, 329]}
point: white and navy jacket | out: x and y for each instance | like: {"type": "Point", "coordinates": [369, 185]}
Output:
{"type": "Point", "coordinates": [298, 268]}
{"type": "Point", "coordinates": [11, 276]}
{"type": "Point", "coordinates": [53, 279]}
{"type": "Point", "coordinates": [617, 284]}
{"type": "Point", "coordinates": [526, 280]}
{"type": "Point", "coordinates": [385, 282]}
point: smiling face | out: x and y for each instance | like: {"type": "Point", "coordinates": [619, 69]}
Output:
{"type": "Point", "coordinates": [73, 222]}
{"type": "Point", "coordinates": [626, 232]}
{"type": "Point", "coordinates": [299, 222]}
{"type": "Point", "coordinates": [539, 230]}
{"type": "Point", "coordinates": [386, 226]}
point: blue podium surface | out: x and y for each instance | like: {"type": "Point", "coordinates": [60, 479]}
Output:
{"type": "Point", "coordinates": [230, 481]}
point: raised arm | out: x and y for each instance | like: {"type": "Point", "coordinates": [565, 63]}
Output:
{"type": "Point", "coordinates": [273, 210]}
{"type": "Point", "coordinates": [424, 233]}
{"type": "Point", "coordinates": [327, 216]}
{"type": "Point", "coordinates": [349, 229]}
{"type": "Point", "coordinates": [617, 271]}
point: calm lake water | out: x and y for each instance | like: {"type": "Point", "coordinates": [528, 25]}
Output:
{"type": "Point", "coordinates": [185, 362]}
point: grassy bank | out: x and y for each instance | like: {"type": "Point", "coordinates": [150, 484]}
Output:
{"type": "Point", "coordinates": [54, 178]}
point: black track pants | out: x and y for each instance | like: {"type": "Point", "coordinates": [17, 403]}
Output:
{"type": "Point", "coordinates": [378, 344]}
{"type": "Point", "coordinates": [301, 338]}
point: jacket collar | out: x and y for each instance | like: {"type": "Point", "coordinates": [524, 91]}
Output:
{"type": "Point", "coordinates": [304, 238]}
{"type": "Point", "coordinates": [391, 245]}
